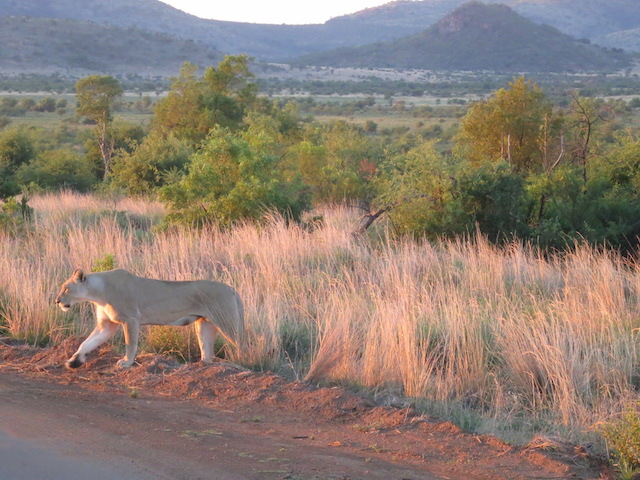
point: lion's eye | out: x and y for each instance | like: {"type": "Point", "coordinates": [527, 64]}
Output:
{"type": "Point", "coordinates": [66, 291]}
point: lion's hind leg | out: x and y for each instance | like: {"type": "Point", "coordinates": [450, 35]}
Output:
{"type": "Point", "coordinates": [206, 333]}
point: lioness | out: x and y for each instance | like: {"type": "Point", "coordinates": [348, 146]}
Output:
{"type": "Point", "coordinates": [121, 298]}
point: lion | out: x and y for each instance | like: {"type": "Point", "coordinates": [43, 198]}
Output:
{"type": "Point", "coordinates": [122, 298]}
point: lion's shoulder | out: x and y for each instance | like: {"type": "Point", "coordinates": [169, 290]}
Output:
{"type": "Point", "coordinates": [118, 280]}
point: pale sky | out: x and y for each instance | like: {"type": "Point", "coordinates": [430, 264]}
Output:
{"type": "Point", "coordinates": [273, 11]}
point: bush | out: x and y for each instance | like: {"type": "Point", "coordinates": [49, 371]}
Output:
{"type": "Point", "coordinates": [493, 199]}
{"type": "Point", "coordinates": [148, 166]}
{"type": "Point", "coordinates": [104, 264]}
{"type": "Point", "coordinates": [15, 216]}
{"type": "Point", "coordinates": [235, 177]}
{"type": "Point", "coordinates": [55, 169]}
{"type": "Point", "coordinates": [16, 149]}
{"type": "Point", "coordinates": [338, 162]}
{"type": "Point", "coordinates": [623, 439]}
{"type": "Point", "coordinates": [417, 187]}
{"type": "Point", "coordinates": [602, 211]}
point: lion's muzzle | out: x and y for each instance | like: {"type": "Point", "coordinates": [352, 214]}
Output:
{"type": "Point", "coordinates": [63, 306]}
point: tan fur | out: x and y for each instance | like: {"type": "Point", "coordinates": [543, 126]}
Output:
{"type": "Point", "coordinates": [121, 298]}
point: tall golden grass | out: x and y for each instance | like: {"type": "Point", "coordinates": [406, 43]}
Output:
{"type": "Point", "coordinates": [497, 336]}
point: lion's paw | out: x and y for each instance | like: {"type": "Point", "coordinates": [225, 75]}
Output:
{"type": "Point", "coordinates": [124, 363]}
{"type": "Point", "coordinates": [73, 363]}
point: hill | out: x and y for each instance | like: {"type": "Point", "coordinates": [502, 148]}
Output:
{"type": "Point", "coordinates": [596, 20]}
{"type": "Point", "coordinates": [479, 36]}
{"type": "Point", "coordinates": [604, 22]}
{"type": "Point", "coordinates": [49, 45]}
{"type": "Point", "coordinates": [150, 37]}
{"type": "Point", "coordinates": [265, 42]}
{"type": "Point", "coordinates": [593, 19]}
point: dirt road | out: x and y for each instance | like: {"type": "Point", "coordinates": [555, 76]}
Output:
{"type": "Point", "coordinates": [161, 420]}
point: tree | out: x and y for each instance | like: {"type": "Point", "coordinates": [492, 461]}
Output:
{"type": "Point", "coordinates": [96, 95]}
{"type": "Point", "coordinates": [586, 113]}
{"type": "Point", "coordinates": [179, 113]}
{"type": "Point", "coordinates": [220, 98]}
{"type": "Point", "coordinates": [232, 79]}
{"type": "Point", "coordinates": [516, 125]}
{"type": "Point", "coordinates": [493, 199]}
{"type": "Point", "coordinates": [124, 137]}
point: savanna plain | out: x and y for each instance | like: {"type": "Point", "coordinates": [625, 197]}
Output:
{"type": "Point", "coordinates": [500, 340]}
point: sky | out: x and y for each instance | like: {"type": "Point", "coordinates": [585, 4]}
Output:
{"type": "Point", "coordinates": [273, 11]}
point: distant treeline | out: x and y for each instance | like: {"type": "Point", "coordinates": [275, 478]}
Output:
{"type": "Point", "coordinates": [448, 86]}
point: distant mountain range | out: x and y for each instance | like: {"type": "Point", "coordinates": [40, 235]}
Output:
{"type": "Point", "coordinates": [479, 36]}
{"type": "Point", "coordinates": [150, 37]}
{"type": "Point", "coordinates": [77, 48]}
{"type": "Point", "coordinates": [610, 23]}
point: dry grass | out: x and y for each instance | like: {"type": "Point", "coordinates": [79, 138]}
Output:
{"type": "Point", "coordinates": [522, 342]}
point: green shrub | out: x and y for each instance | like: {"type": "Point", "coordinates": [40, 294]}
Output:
{"type": "Point", "coordinates": [15, 216]}
{"type": "Point", "coordinates": [234, 177]}
{"type": "Point", "coordinates": [106, 263]}
{"type": "Point", "coordinates": [150, 165]}
{"type": "Point", "coordinates": [623, 439]}
{"type": "Point", "coordinates": [55, 169]}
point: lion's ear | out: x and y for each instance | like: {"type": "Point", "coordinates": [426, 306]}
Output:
{"type": "Point", "coordinates": [79, 275]}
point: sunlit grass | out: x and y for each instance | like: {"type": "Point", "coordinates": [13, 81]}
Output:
{"type": "Point", "coordinates": [503, 340]}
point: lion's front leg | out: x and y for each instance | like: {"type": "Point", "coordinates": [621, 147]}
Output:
{"type": "Point", "coordinates": [131, 331]}
{"type": "Point", "coordinates": [104, 330]}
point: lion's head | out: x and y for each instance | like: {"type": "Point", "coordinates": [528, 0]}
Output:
{"type": "Point", "coordinates": [72, 291]}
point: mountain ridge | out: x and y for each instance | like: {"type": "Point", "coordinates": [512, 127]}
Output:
{"type": "Point", "coordinates": [78, 47]}
{"type": "Point", "coordinates": [391, 22]}
{"type": "Point", "coordinates": [580, 18]}
{"type": "Point", "coordinates": [479, 36]}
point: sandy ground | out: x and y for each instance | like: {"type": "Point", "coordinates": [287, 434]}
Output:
{"type": "Point", "coordinates": [163, 420]}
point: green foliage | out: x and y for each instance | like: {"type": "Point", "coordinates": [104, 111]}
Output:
{"type": "Point", "coordinates": [96, 95]}
{"type": "Point", "coordinates": [104, 264]}
{"type": "Point", "coordinates": [235, 176]}
{"type": "Point", "coordinates": [55, 169]}
{"type": "Point", "coordinates": [220, 98]}
{"type": "Point", "coordinates": [493, 199]}
{"type": "Point", "coordinates": [123, 139]}
{"type": "Point", "coordinates": [623, 439]}
{"type": "Point", "coordinates": [604, 210]}
{"type": "Point", "coordinates": [180, 112]}
{"type": "Point", "coordinates": [515, 125]}
{"type": "Point", "coordinates": [418, 189]}
{"type": "Point", "coordinates": [338, 161]}
{"type": "Point", "coordinates": [10, 107]}
{"type": "Point", "coordinates": [15, 216]}
{"type": "Point", "coordinates": [16, 149]}
{"type": "Point", "coordinates": [151, 165]}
